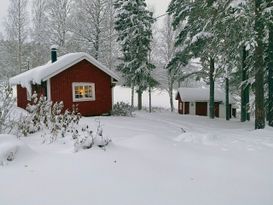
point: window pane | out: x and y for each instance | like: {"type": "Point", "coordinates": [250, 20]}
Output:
{"type": "Point", "coordinates": [83, 91]}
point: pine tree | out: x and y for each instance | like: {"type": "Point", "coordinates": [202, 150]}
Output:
{"type": "Point", "coordinates": [244, 87]}
{"type": "Point", "coordinates": [134, 27]}
{"type": "Point", "coordinates": [270, 77]}
{"type": "Point", "coordinates": [227, 100]}
{"type": "Point", "coordinates": [197, 37]}
{"type": "Point", "coordinates": [269, 62]}
{"type": "Point", "coordinates": [259, 67]}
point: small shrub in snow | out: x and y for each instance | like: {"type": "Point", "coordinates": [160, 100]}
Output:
{"type": "Point", "coordinates": [100, 139]}
{"type": "Point", "coordinates": [8, 148]}
{"type": "Point", "coordinates": [83, 139]}
{"type": "Point", "coordinates": [86, 138]}
{"type": "Point", "coordinates": [122, 109]}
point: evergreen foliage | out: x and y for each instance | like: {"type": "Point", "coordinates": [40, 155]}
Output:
{"type": "Point", "coordinates": [122, 109]}
{"type": "Point", "coordinates": [219, 30]}
{"type": "Point", "coordinates": [134, 27]}
{"type": "Point", "coordinates": [269, 61]}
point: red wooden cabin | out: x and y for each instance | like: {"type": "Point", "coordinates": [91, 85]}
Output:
{"type": "Point", "coordinates": [75, 78]}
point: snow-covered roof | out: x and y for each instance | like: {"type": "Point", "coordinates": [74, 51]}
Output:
{"type": "Point", "coordinates": [45, 72]}
{"type": "Point", "coordinates": [201, 95]}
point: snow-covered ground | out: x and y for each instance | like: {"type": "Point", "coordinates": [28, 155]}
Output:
{"type": "Point", "coordinates": [150, 162]}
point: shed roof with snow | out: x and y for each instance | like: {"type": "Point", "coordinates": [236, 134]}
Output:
{"type": "Point", "coordinates": [201, 95]}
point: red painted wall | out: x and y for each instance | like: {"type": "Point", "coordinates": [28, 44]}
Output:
{"type": "Point", "coordinates": [61, 88]}
{"type": "Point", "coordinates": [22, 101]}
{"type": "Point", "coordinates": [21, 97]}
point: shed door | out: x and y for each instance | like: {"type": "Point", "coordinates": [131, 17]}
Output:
{"type": "Point", "coordinates": [216, 109]}
{"type": "Point", "coordinates": [187, 108]}
{"type": "Point", "coordinates": [234, 112]}
{"type": "Point", "coordinates": [201, 108]}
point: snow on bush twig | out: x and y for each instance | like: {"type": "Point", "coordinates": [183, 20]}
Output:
{"type": "Point", "coordinates": [86, 138]}
{"type": "Point", "coordinates": [49, 118]}
{"type": "Point", "coordinates": [6, 105]}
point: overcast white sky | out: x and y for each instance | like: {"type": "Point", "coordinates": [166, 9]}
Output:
{"type": "Point", "coordinates": [159, 6]}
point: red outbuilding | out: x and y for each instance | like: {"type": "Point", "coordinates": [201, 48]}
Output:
{"type": "Point", "coordinates": [74, 79]}
{"type": "Point", "coordinates": [195, 101]}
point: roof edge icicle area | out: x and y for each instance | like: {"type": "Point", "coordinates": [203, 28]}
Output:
{"type": "Point", "coordinates": [201, 95]}
{"type": "Point", "coordinates": [42, 73]}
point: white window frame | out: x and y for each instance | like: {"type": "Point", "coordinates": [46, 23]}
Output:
{"type": "Point", "coordinates": [29, 93]}
{"type": "Point", "coordinates": [93, 98]}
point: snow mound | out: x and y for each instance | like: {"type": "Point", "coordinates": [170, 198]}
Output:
{"type": "Point", "coordinates": [144, 142]}
{"type": "Point", "coordinates": [197, 138]}
{"type": "Point", "coordinates": [10, 146]}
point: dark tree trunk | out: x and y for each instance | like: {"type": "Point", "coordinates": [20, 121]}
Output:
{"type": "Point", "coordinates": [243, 87]}
{"type": "Point", "coordinates": [227, 100]}
{"type": "Point", "coordinates": [247, 99]}
{"type": "Point", "coordinates": [150, 100]}
{"type": "Point", "coordinates": [171, 96]}
{"type": "Point", "coordinates": [270, 76]}
{"type": "Point", "coordinates": [139, 100]}
{"type": "Point", "coordinates": [259, 68]}
{"type": "Point", "coordinates": [211, 80]}
{"type": "Point", "coordinates": [132, 96]}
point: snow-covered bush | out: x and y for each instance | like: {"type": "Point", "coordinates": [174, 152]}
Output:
{"type": "Point", "coordinates": [86, 138]}
{"type": "Point", "coordinates": [6, 104]}
{"type": "Point", "coordinates": [83, 139]}
{"type": "Point", "coordinates": [43, 115]}
{"type": "Point", "coordinates": [9, 146]}
{"type": "Point", "coordinates": [122, 109]}
{"type": "Point", "coordinates": [53, 123]}
{"type": "Point", "coordinates": [100, 139]}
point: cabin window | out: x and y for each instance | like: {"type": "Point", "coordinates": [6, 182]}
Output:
{"type": "Point", "coordinates": [83, 92]}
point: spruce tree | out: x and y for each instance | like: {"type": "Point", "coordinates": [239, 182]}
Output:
{"type": "Point", "coordinates": [134, 27]}
{"type": "Point", "coordinates": [244, 87]}
{"type": "Point", "coordinates": [197, 38]}
{"type": "Point", "coordinates": [259, 67]}
{"type": "Point", "coordinates": [269, 62]}
{"type": "Point", "coordinates": [270, 78]}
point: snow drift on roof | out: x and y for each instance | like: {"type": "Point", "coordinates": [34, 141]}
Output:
{"type": "Point", "coordinates": [201, 95]}
{"type": "Point", "coordinates": [42, 73]}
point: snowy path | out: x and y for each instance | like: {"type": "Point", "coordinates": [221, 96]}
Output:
{"type": "Point", "coordinates": [150, 162]}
